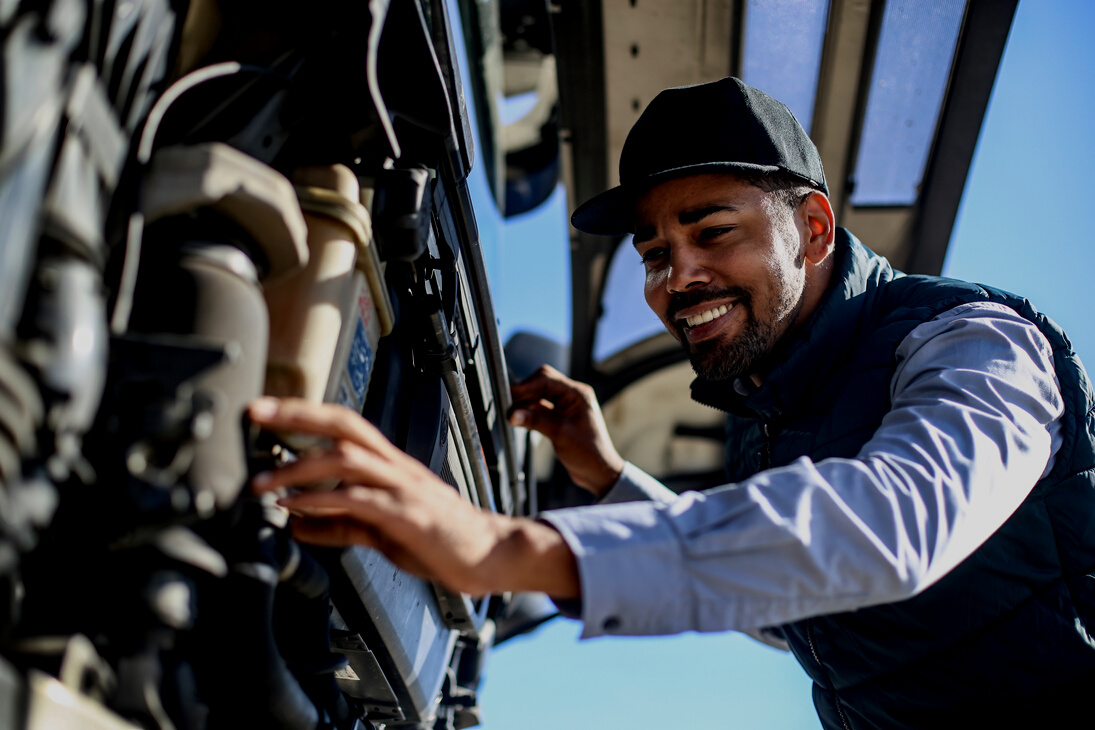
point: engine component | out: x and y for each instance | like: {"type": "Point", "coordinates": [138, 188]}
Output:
{"type": "Point", "coordinates": [326, 321]}
{"type": "Point", "coordinates": [401, 208]}
{"type": "Point", "coordinates": [158, 270]}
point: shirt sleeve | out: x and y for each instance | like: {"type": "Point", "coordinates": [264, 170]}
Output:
{"type": "Point", "coordinates": [635, 485]}
{"type": "Point", "coordinates": [974, 424]}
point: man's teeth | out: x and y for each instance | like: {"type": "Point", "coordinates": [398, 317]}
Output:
{"type": "Point", "coordinates": [705, 317]}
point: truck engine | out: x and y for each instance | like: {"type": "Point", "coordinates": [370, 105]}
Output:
{"type": "Point", "coordinates": [200, 203]}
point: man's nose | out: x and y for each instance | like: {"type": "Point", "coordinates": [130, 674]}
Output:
{"type": "Point", "coordinates": [687, 269]}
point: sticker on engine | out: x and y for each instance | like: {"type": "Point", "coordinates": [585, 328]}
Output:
{"type": "Point", "coordinates": [343, 396]}
{"type": "Point", "coordinates": [359, 365]}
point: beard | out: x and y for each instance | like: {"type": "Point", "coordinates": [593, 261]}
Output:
{"type": "Point", "coordinates": [744, 353]}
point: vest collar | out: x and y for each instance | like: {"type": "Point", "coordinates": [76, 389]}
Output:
{"type": "Point", "coordinates": [807, 356]}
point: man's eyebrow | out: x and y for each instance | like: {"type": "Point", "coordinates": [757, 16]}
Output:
{"type": "Point", "coordinates": [695, 216]}
{"type": "Point", "coordinates": [642, 235]}
{"type": "Point", "coordinates": [645, 233]}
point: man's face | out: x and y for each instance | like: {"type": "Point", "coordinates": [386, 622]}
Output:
{"type": "Point", "coordinates": [724, 269]}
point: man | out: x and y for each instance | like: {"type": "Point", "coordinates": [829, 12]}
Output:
{"type": "Point", "coordinates": [912, 501]}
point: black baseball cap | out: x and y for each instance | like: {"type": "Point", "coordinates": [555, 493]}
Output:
{"type": "Point", "coordinates": [722, 126]}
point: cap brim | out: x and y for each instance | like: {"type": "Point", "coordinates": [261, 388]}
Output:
{"type": "Point", "coordinates": [612, 213]}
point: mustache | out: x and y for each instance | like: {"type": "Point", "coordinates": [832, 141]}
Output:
{"type": "Point", "coordinates": [685, 299]}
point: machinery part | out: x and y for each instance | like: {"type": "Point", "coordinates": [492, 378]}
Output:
{"type": "Point", "coordinates": [401, 212]}
{"type": "Point", "coordinates": [65, 339]}
{"type": "Point", "coordinates": [364, 679]}
{"type": "Point", "coordinates": [306, 330]}
{"type": "Point", "coordinates": [324, 201]}
{"type": "Point", "coordinates": [256, 197]}
{"type": "Point", "coordinates": [187, 217]}
{"type": "Point", "coordinates": [461, 403]}
{"type": "Point", "coordinates": [208, 292]}
{"type": "Point", "coordinates": [259, 691]}
{"type": "Point", "coordinates": [36, 52]}
{"type": "Point", "coordinates": [51, 705]}
{"type": "Point", "coordinates": [88, 167]}
{"type": "Point", "coordinates": [21, 413]}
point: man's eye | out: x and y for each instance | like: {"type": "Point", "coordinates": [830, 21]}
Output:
{"type": "Point", "coordinates": [709, 233]}
{"type": "Point", "coordinates": [652, 255]}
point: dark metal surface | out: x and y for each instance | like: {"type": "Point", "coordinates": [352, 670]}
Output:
{"type": "Point", "coordinates": [980, 48]}
{"type": "Point", "coordinates": [578, 35]}
{"type": "Point", "coordinates": [467, 233]}
{"type": "Point", "coordinates": [403, 612]}
{"type": "Point", "coordinates": [915, 238]}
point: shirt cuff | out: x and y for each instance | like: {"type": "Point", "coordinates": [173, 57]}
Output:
{"type": "Point", "coordinates": [635, 485]}
{"type": "Point", "coordinates": [615, 547]}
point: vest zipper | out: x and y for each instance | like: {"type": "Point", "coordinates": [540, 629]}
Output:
{"type": "Point", "coordinates": [817, 658]}
{"type": "Point", "coordinates": [766, 458]}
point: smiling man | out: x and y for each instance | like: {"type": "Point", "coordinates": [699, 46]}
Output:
{"type": "Point", "coordinates": [698, 234]}
{"type": "Point", "coordinates": [910, 505]}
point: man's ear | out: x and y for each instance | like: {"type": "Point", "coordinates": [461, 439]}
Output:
{"type": "Point", "coordinates": [821, 227]}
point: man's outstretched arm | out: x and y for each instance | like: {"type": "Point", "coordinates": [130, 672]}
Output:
{"type": "Point", "coordinates": [389, 501]}
{"type": "Point", "coordinates": [975, 410]}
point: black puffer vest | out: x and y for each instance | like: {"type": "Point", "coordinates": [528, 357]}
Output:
{"type": "Point", "coordinates": [1001, 641]}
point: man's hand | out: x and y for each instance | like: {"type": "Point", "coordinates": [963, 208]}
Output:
{"type": "Point", "coordinates": [567, 412]}
{"type": "Point", "coordinates": [389, 501]}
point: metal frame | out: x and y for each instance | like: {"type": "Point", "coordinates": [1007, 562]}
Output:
{"type": "Point", "coordinates": [913, 237]}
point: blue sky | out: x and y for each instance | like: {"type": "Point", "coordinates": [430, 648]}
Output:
{"type": "Point", "coordinates": [1021, 227]}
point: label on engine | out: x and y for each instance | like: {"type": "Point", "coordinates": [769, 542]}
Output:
{"type": "Point", "coordinates": [359, 366]}
{"type": "Point", "coordinates": [355, 357]}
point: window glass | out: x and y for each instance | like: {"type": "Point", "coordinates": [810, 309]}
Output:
{"type": "Point", "coordinates": [781, 54]}
{"type": "Point", "coordinates": [908, 81]}
{"type": "Point", "coordinates": [484, 201]}
{"type": "Point", "coordinates": [517, 106]}
{"type": "Point", "coordinates": [625, 318]}
{"type": "Point", "coordinates": [532, 292]}
{"type": "Point", "coordinates": [527, 257]}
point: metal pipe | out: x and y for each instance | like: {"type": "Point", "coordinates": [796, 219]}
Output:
{"type": "Point", "coordinates": [461, 405]}
{"type": "Point", "coordinates": [484, 306]}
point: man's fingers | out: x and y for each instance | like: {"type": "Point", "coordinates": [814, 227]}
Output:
{"type": "Point", "coordinates": [535, 417]}
{"type": "Point", "coordinates": [541, 404]}
{"type": "Point", "coordinates": [363, 516]}
{"type": "Point", "coordinates": [301, 416]}
{"type": "Point", "coordinates": [338, 464]}
{"type": "Point", "coordinates": [333, 532]}
{"type": "Point", "coordinates": [547, 382]}
{"type": "Point", "coordinates": [362, 504]}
